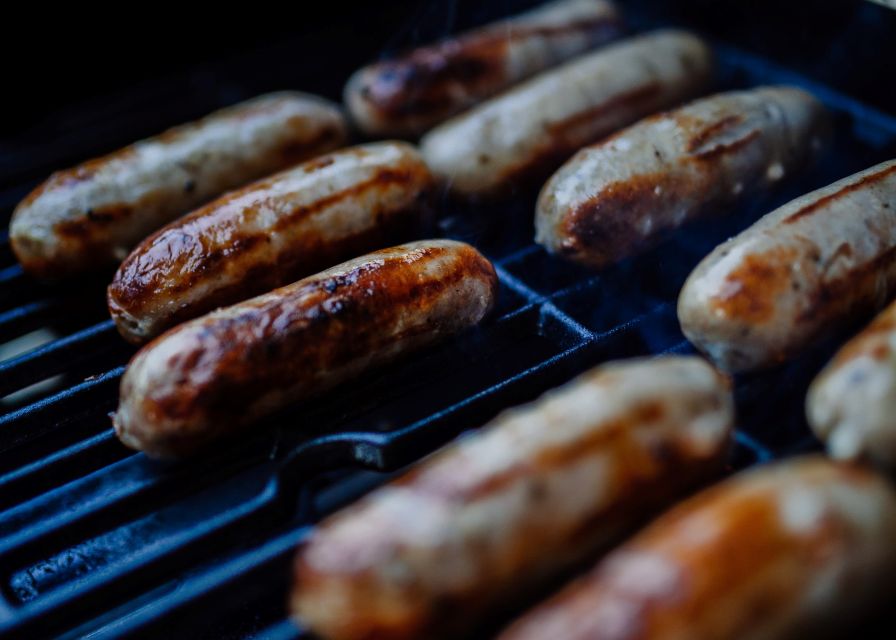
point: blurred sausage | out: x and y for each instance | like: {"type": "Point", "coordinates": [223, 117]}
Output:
{"type": "Point", "coordinates": [271, 233]}
{"type": "Point", "coordinates": [406, 95]}
{"type": "Point", "coordinates": [852, 404]}
{"type": "Point", "coordinates": [796, 549]}
{"type": "Point", "coordinates": [218, 373]}
{"type": "Point", "coordinates": [801, 271]}
{"type": "Point", "coordinates": [496, 514]}
{"type": "Point", "coordinates": [91, 215]}
{"type": "Point", "coordinates": [621, 196]}
{"type": "Point", "coordinates": [524, 134]}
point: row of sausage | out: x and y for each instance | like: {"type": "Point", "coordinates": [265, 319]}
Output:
{"type": "Point", "coordinates": [803, 271]}
{"type": "Point", "coordinates": [793, 549]}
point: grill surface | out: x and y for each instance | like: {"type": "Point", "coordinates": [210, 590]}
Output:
{"type": "Point", "coordinates": [98, 541]}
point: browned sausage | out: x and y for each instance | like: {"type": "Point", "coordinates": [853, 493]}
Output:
{"type": "Point", "coordinates": [539, 489]}
{"type": "Point", "coordinates": [622, 195]}
{"type": "Point", "coordinates": [269, 234]}
{"type": "Point", "coordinates": [799, 273]}
{"type": "Point", "coordinates": [220, 372]}
{"type": "Point", "coordinates": [93, 214]}
{"type": "Point", "coordinates": [793, 550]}
{"type": "Point", "coordinates": [408, 94]}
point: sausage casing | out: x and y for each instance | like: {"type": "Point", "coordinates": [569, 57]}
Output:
{"type": "Point", "coordinates": [496, 514]}
{"type": "Point", "coordinates": [91, 215]}
{"type": "Point", "coordinates": [525, 133]}
{"type": "Point", "coordinates": [852, 403]}
{"type": "Point", "coordinates": [801, 271]}
{"type": "Point", "coordinates": [620, 196]}
{"type": "Point", "coordinates": [788, 550]}
{"type": "Point", "coordinates": [217, 373]}
{"type": "Point", "coordinates": [407, 95]}
{"type": "Point", "coordinates": [271, 233]}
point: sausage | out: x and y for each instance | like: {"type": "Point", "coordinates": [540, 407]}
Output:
{"type": "Point", "coordinates": [496, 514]}
{"type": "Point", "coordinates": [852, 402]}
{"type": "Point", "coordinates": [794, 549]}
{"type": "Point", "coordinates": [621, 196]}
{"type": "Point", "coordinates": [90, 216]}
{"type": "Point", "coordinates": [271, 233]}
{"type": "Point", "coordinates": [407, 95]}
{"type": "Point", "coordinates": [524, 134]}
{"type": "Point", "coordinates": [218, 373]}
{"type": "Point", "coordinates": [799, 273]}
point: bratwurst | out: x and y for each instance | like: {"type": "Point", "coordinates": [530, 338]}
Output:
{"type": "Point", "coordinates": [798, 549]}
{"type": "Point", "coordinates": [496, 514]}
{"type": "Point", "coordinates": [271, 233]}
{"type": "Point", "coordinates": [852, 403]}
{"type": "Point", "coordinates": [522, 135]}
{"type": "Point", "coordinates": [90, 216]}
{"type": "Point", "coordinates": [218, 373]}
{"type": "Point", "coordinates": [800, 272]}
{"type": "Point", "coordinates": [621, 196]}
{"type": "Point", "coordinates": [408, 94]}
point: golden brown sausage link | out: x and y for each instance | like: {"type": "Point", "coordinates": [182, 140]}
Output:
{"type": "Point", "coordinates": [271, 233]}
{"type": "Point", "coordinates": [90, 216]}
{"type": "Point", "coordinates": [792, 550]}
{"type": "Point", "coordinates": [408, 94]}
{"type": "Point", "coordinates": [496, 514]}
{"type": "Point", "coordinates": [220, 372]}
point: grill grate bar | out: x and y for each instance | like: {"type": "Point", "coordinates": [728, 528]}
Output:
{"type": "Point", "coordinates": [59, 356]}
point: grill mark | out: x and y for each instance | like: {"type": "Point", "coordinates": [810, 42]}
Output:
{"type": "Point", "coordinates": [422, 81]}
{"type": "Point", "coordinates": [857, 291]}
{"type": "Point", "coordinates": [727, 147]}
{"type": "Point", "coordinates": [700, 138]}
{"type": "Point", "coordinates": [813, 207]}
{"type": "Point", "coordinates": [382, 179]}
{"type": "Point", "coordinates": [630, 99]}
{"type": "Point", "coordinates": [565, 140]}
{"type": "Point", "coordinates": [548, 459]}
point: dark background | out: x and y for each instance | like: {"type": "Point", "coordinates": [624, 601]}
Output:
{"type": "Point", "coordinates": [80, 82]}
{"type": "Point", "coordinates": [57, 59]}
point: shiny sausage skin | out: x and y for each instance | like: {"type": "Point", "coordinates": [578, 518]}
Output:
{"type": "Point", "coordinates": [487, 519]}
{"type": "Point", "coordinates": [791, 550]}
{"type": "Point", "coordinates": [90, 216]}
{"type": "Point", "coordinates": [271, 233]}
{"type": "Point", "coordinates": [852, 403]}
{"type": "Point", "coordinates": [220, 372]}
{"type": "Point", "coordinates": [407, 95]}
{"type": "Point", "coordinates": [801, 271]}
{"type": "Point", "coordinates": [524, 134]}
{"type": "Point", "coordinates": [621, 196]}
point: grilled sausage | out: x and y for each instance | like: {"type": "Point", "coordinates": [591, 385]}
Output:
{"type": "Point", "coordinates": [525, 133]}
{"type": "Point", "coordinates": [271, 233]}
{"type": "Point", "coordinates": [852, 403]}
{"type": "Point", "coordinates": [407, 95]}
{"type": "Point", "coordinates": [91, 215]}
{"type": "Point", "coordinates": [220, 372]}
{"type": "Point", "coordinates": [494, 515]}
{"type": "Point", "coordinates": [619, 197]}
{"type": "Point", "coordinates": [801, 271]}
{"type": "Point", "coordinates": [792, 550]}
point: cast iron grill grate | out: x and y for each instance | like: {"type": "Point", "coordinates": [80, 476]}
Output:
{"type": "Point", "coordinates": [96, 540]}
